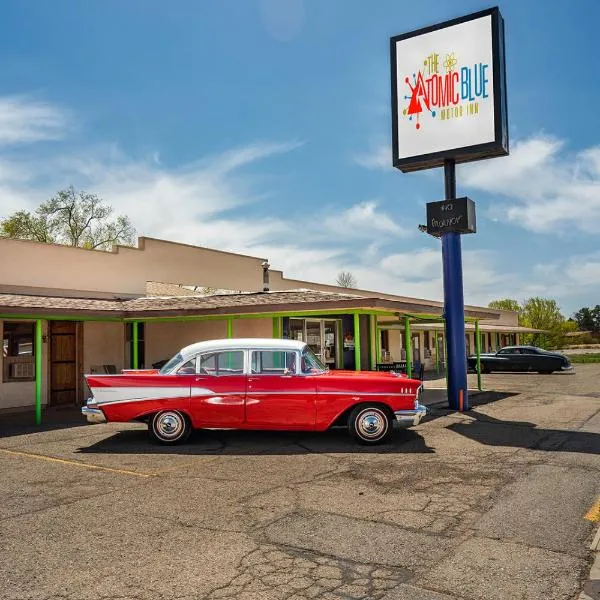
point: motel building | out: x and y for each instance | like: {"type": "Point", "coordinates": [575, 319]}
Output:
{"type": "Point", "coordinates": [67, 311]}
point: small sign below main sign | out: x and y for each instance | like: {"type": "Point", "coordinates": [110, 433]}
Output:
{"type": "Point", "coordinates": [449, 92]}
{"type": "Point", "coordinates": [451, 216]}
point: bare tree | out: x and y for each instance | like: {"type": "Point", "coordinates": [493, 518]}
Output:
{"type": "Point", "coordinates": [346, 279]}
{"type": "Point", "coordinates": [71, 218]}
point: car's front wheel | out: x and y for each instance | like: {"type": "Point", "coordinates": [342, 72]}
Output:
{"type": "Point", "coordinates": [169, 427]}
{"type": "Point", "coordinates": [370, 424]}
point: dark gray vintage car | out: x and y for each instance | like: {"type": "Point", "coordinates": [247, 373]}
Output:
{"type": "Point", "coordinates": [521, 358]}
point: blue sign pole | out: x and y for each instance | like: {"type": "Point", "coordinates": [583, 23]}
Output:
{"type": "Point", "coordinates": [454, 307]}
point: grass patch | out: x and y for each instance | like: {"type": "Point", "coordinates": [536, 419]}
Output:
{"type": "Point", "coordinates": [593, 357]}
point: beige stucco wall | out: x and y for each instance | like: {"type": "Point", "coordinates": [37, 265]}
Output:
{"type": "Point", "coordinates": [126, 270]}
{"type": "Point", "coordinates": [103, 344]}
{"type": "Point", "coordinates": [253, 328]}
{"type": "Point", "coordinates": [17, 394]}
{"type": "Point", "coordinates": [163, 340]}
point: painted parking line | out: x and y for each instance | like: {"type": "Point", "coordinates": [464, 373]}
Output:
{"type": "Point", "coordinates": [594, 513]}
{"type": "Point", "coordinates": [75, 463]}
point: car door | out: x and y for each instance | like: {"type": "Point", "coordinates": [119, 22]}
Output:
{"type": "Point", "coordinates": [278, 395]}
{"type": "Point", "coordinates": [516, 360]}
{"type": "Point", "coordinates": [505, 360]}
{"type": "Point", "coordinates": [530, 360]}
{"type": "Point", "coordinates": [218, 390]}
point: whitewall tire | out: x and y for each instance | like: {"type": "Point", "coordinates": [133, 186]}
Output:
{"type": "Point", "coordinates": [169, 427]}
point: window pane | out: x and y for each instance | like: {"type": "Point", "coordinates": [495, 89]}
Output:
{"type": "Point", "coordinates": [222, 363]}
{"type": "Point", "coordinates": [18, 339]}
{"type": "Point", "coordinates": [171, 363]}
{"type": "Point", "coordinates": [208, 364]}
{"type": "Point", "coordinates": [18, 349]}
{"type": "Point", "coordinates": [230, 363]}
{"type": "Point", "coordinates": [273, 362]}
{"type": "Point", "coordinates": [189, 368]}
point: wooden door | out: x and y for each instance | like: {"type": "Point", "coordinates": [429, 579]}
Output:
{"type": "Point", "coordinates": [63, 362]}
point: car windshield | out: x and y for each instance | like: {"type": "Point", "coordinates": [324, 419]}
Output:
{"type": "Point", "coordinates": [311, 362]}
{"type": "Point", "coordinates": [168, 366]}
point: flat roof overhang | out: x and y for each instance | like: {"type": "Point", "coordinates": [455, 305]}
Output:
{"type": "Point", "coordinates": [190, 307]}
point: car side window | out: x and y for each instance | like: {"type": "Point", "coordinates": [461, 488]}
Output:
{"type": "Point", "coordinates": [273, 362]}
{"type": "Point", "coordinates": [222, 363]}
{"type": "Point", "coordinates": [188, 368]}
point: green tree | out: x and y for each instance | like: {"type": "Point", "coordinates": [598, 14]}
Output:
{"type": "Point", "coordinates": [588, 319]}
{"type": "Point", "coordinates": [346, 279]}
{"type": "Point", "coordinates": [544, 314]}
{"type": "Point", "coordinates": [71, 218]}
{"type": "Point", "coordinates": [506, 304]}
{"type": "Point", "coordinates": [539, 313]}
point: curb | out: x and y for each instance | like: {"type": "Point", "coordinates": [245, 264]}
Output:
{"type": "Point", "coordinates": [591, 588]}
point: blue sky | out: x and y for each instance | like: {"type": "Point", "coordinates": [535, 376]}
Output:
{"type": "Point", "coordinates": [263, 126]}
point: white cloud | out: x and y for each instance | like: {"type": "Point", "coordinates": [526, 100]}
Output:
{"type": "Point", "coordinates": [240, 157]}
{"type": "Point", "coordinates": [363, 220]}
{"type": "Point", "coordinates": [576, 274]}
{"type": "Point", "coordinates": [24, 121]}
{"type": "Point", "coordinates": [379, 157]}
{"type": "Point", "coordinates": [542, 187]}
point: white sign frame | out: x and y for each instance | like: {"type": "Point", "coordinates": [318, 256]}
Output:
{"type": "Point", "coordinates": [425, 85]}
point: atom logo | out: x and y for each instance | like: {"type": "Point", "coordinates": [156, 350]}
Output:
{"type": "Point", "coordinates": [450, 62]}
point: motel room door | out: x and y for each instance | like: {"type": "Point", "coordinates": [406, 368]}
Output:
{"type": "Point", "coordinates": [63, 362]}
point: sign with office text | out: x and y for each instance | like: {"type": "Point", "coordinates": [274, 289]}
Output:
{"type": "Point", "coordinates": [449, 92]}
{"type": "Point", "coordinates": [451, 216]}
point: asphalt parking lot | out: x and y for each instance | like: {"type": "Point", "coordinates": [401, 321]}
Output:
{"type": "Point", "coordinates": [489, 504]}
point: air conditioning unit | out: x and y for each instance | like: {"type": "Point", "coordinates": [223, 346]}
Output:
{"type": "Point", "coordinates": [22, 370]}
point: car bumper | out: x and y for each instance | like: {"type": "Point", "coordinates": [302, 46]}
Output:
{"type": "Point", "coordinates": [93, 415]}
{"type": "Point", "coordinates": [411, 417]}
{"type": "Point", "coordinates": [567, 368]}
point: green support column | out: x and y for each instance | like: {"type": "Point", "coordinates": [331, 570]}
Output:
{"type": "Point", "coordinates": [372, 345]}
{"type": "Point", "coordinates": [408, 346]}
{"type": "Point", "coordinates": [276, 327]}
{"type": "Point", "coordinates": [378, 342]}
{"type": "Point", "coordinates": [134, 357]}
{"type": "Point", "coordinates": [339, 351]}
{"type": "Point", "coordinates": [229, 328]}
{"type": "Point", "coordinates": [357, 341]}
{"type": "Point", "coordinates": [478, 352]}
{"type": "Point", "coordinates": [437, 354]}
{"type": "Point", "coordinates": [38, 372]}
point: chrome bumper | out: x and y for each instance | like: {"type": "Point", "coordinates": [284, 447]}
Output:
{"type": "Point", "coordinates": [568, 368]}
{"type": "Point", "coordinates": [93, 415]}
{"type": "Point", "coordinates": [411, 417]}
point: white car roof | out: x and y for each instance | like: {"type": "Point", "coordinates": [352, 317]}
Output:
{"type": "Point", "coordinates": [241, 343]}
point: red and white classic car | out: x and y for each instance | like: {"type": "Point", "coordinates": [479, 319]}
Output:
{"type": "Point", "coordinates": [254, 384]}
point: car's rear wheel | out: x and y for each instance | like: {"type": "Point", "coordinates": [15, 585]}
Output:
{"type": "Point", "coordinates": [370, 424]}
{"type": "Point", "coordinates": [169, 427]}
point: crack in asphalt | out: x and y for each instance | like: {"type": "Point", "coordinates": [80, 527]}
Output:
{"type": "Point", "coordinates": [286, 572]}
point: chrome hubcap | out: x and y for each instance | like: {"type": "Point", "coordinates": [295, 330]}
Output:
{"type": "Point", "coordinates": [169, 425]}
{"type": "Point", "coordinates": [371, 424]}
